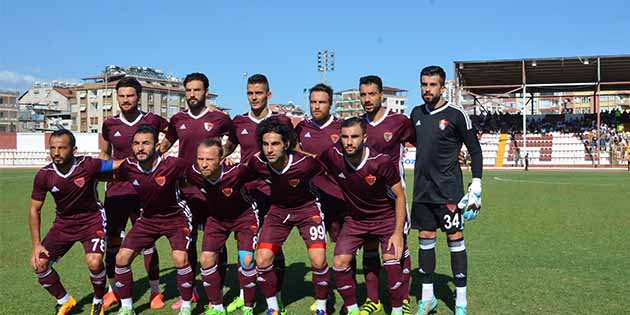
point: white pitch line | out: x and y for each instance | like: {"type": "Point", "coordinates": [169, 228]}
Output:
{"type": "Point", "coordinates": [548, 183]}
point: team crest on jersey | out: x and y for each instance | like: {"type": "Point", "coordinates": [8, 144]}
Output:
{"type": "Point", "coordinates": [208, 125]}
{"type": "Point", "coordinates": [370, 179]}
{"type": "Point", "coordinates": [160, 180]}
{"type": "Point", "coordinates": [186, 231]}
{"type": "Point", "coordinates": [307, 135]}
{"type": "Point", "coordinates": [100, 233]}
{"type": "Point", "coordinates": [317, 219]}
{"type": "Point", "coordinates": [79, 181]}
{"type": "Point", "coordinates": [254, 228]}
{"type": "Point", "coordinates": [388, 136]}
{"type": "Point", "coordinates": [227, 191]}
{"type": "Point", "coordinates": [451, 207]}
{"type": "Point", "coordinates": [443, 124]}
{"type": "Point", "coordinates": [334, 137]}
{"type": "Point", "coordinates": [294, 182]}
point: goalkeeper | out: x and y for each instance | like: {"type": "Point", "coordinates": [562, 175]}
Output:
{"type": "Point", "coordinates": [438, 194]}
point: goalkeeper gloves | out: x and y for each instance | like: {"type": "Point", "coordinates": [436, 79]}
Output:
{"type": "Point", "coordinates": [471, 202]}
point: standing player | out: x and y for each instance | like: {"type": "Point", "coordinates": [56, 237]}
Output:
{"type": "Point", "coordinates": [223, 187]}
{"type": "Point", "coordinates": [80, 217]}
{"type": "Point", "coordinates": [387, 132]}
{"type": "Point", "coordinates": [121, 200]}
{"type": "Point", "coordinates": [156, 180]}
{"type": "Point", "coordinates": [441, 128]}
{"type": "Point", "coordinates": [245, 125]}
{"type": "Point", "coordinates": [292, 205]}
{"type": "Point", "coordinates": [190, 127]}
{"type": "Point", "coordinates": [376, 201]}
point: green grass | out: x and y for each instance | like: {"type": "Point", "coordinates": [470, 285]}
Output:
{"type": "Point", "coordinates": [545, 243]}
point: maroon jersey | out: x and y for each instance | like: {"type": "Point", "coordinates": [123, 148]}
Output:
{"type": "Point", "coordinates": [119, 133]}
{"type": "Point", "coordinates": [366, 188]}
{"type": "Point", "coordinates": [315, 138]}
{"type": "Point", "coordinates": [159, 188]}
{"type": "Point", "coordinates": [224, 198]}
{"type": "Point", "coordinates": [190, 130]}
{"type": "Point", "coordinates": [389, 134]}
{"type": "Point", "coordinates": [245, 132]}
{"type": "Point", "coordinates": [290, 187]}
{"type": "Point", "coordinates": [74, 192]}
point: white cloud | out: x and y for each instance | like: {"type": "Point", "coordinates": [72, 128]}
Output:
{"type": "Point", "coordinates": [14, 78]}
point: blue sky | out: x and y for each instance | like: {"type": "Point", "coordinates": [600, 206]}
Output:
{"type": "Point", "coordinates": [68, 40]}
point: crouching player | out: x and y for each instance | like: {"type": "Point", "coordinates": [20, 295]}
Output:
{"type": "Point", "coordinates": [157, 181]}
{"type": "Point", "coordinates": [80, 217]}
{"type": "Point", "coordinates": [376, 200]}
{"type": "Point", "coordinates": [227, 211]}
{"type": "Point", "coordinates": [293, 204]}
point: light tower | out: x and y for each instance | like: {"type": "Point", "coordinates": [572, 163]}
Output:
{"type": "Point", "coordinates": [325, 63]}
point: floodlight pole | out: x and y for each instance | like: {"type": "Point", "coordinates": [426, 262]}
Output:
{"type": "Point", "coordinates": [598, 111]}
{"type": "Point", "coordinates": [523, 111]}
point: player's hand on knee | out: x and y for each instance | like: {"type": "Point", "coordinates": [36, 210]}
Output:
{"type": "Point", "coordinates": [396, 241]}
{"type": "Point", "coordinates": [36, 262]}
{"type": "Point", "coordinates": [471, 202]}
{"type": "Point", "coordinates": [461, 158]}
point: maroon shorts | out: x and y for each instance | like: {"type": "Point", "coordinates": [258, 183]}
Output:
{"type": "Point", "coordinates": [354, 233]}
{"type": "Point", "coordinates": [119, 209]}
{"type": "Point", "coordinates": [279, 222]}
{"type": "Point", "coordinates": [87, 228]}
{"type": "Point", "coordinates": [217, 231]}
{"type": "Point", "coordinates": [334, 210]}
{"type": "Point", "coordinates": [146, 231]}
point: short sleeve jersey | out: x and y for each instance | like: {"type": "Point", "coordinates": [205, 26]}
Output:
{"type": "Point", "coordinates": [119, 133]}
{"type": "Point", "coordinates": [74, 192]}
{"type": "Point", "coordinates": [245, 132]}
{"type": "Point", "coordinates": [225, 197]}
{"type": "Point", "coordinates": [389, 134]}
{"type": "Point", "coordinates": [290, 187]}
{"type": "Point", "coordinates": [440, 134]}
{"type": "Point", "coordinates": [190, 130]}
{"type": "Point", "coordinates": [159, 188]}
{"type": "Point", "coordinates": [315, 138]}
{"type": "Point", "coordinates": [366, 187]}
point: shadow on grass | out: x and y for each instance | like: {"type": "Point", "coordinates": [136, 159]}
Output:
{"type": "Point", "coordinates": [440, 286]}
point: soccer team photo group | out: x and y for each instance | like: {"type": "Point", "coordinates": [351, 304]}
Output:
{"type": "Point", "coordinates": [339, 182]}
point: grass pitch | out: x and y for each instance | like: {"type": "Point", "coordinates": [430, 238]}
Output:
{"type": "Point", "coordinates": [545, 243]}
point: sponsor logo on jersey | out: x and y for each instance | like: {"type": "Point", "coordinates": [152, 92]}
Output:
{"type": "Point", "coordinates": [370, 179]}
{"type": "Point", "coordinates": [244, 132]}
{"type": "Point", "coordinates": [54, 189]}
{"type": "Point", "coordinates": [79, 181]}
{"type": "Point", "coordinates": [117, 134]}
{"type": "Point", "coordinates": [208, 125]}
{"type": "Point", "coordinates": [443, 124]}
{"type": "Point", "coordinates": [183, 126]}
{"type": "Point", "coordinates": [334, 137]}
{"type": "Point", "coordinates": [227, 191]}
{"type": "Point", "coordinates": [160, 180]}
{"type": "Point", "coordinates": [294, 182]}
{"type": "Point", "coordinates": [317, 219]}
{"type": "Point", "coordinates": [135, 182]}
{"type": "Point", "coordinates": [307, 135]}
{"type": "Point", "coordinates": [388, 136]}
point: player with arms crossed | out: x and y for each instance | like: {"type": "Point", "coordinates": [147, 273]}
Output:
{"type": "Point", "coordinates": [245, 125]}
{"type": "Point", "coordinates": [121, 200]}
{"type": "Point", "coordinates": [441, 128]}
{"type": "Point", "coordinates": [387, 132]}
{"type": "Point", "coordinates": [80, 217]}
{"type": "Point", "coordinates": [376, 200]}
{"type": "Point", "coordinates": [190, 127]}
{"type": "Point", "coordinates": [157, 181]}
{"type": "Point", "coordinates": [293, 204]}
{"type": "Point", "coordinates": [227, 212]}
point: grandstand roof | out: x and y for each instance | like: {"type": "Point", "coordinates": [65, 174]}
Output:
{"type": "Point", "coordinates": [582, 73]}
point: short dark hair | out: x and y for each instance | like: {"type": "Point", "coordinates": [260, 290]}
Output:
{"type": "Point", "coordinates": [129, 82]}
{"type": "Point", "coordinates": [144, 129]}
{"type": "Point", "coordinates": [212, 142]}
{"type": "Point", "coordinates": [434, 70]}
{"type": "Point", "coordinates": [196, 76]}
{"type": "Point", "coordinates": [258, 79]}
{"type": "Point", "coordinates": [372, 79]}
{"type": "Point", "coordinates": [273, 124]}
{"type": "Point", "coordinates": [64, 132]}
{"type": "Point", "coordinates": [321, 87]}
{"type": "Point", "coordinates": [354, 121]}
